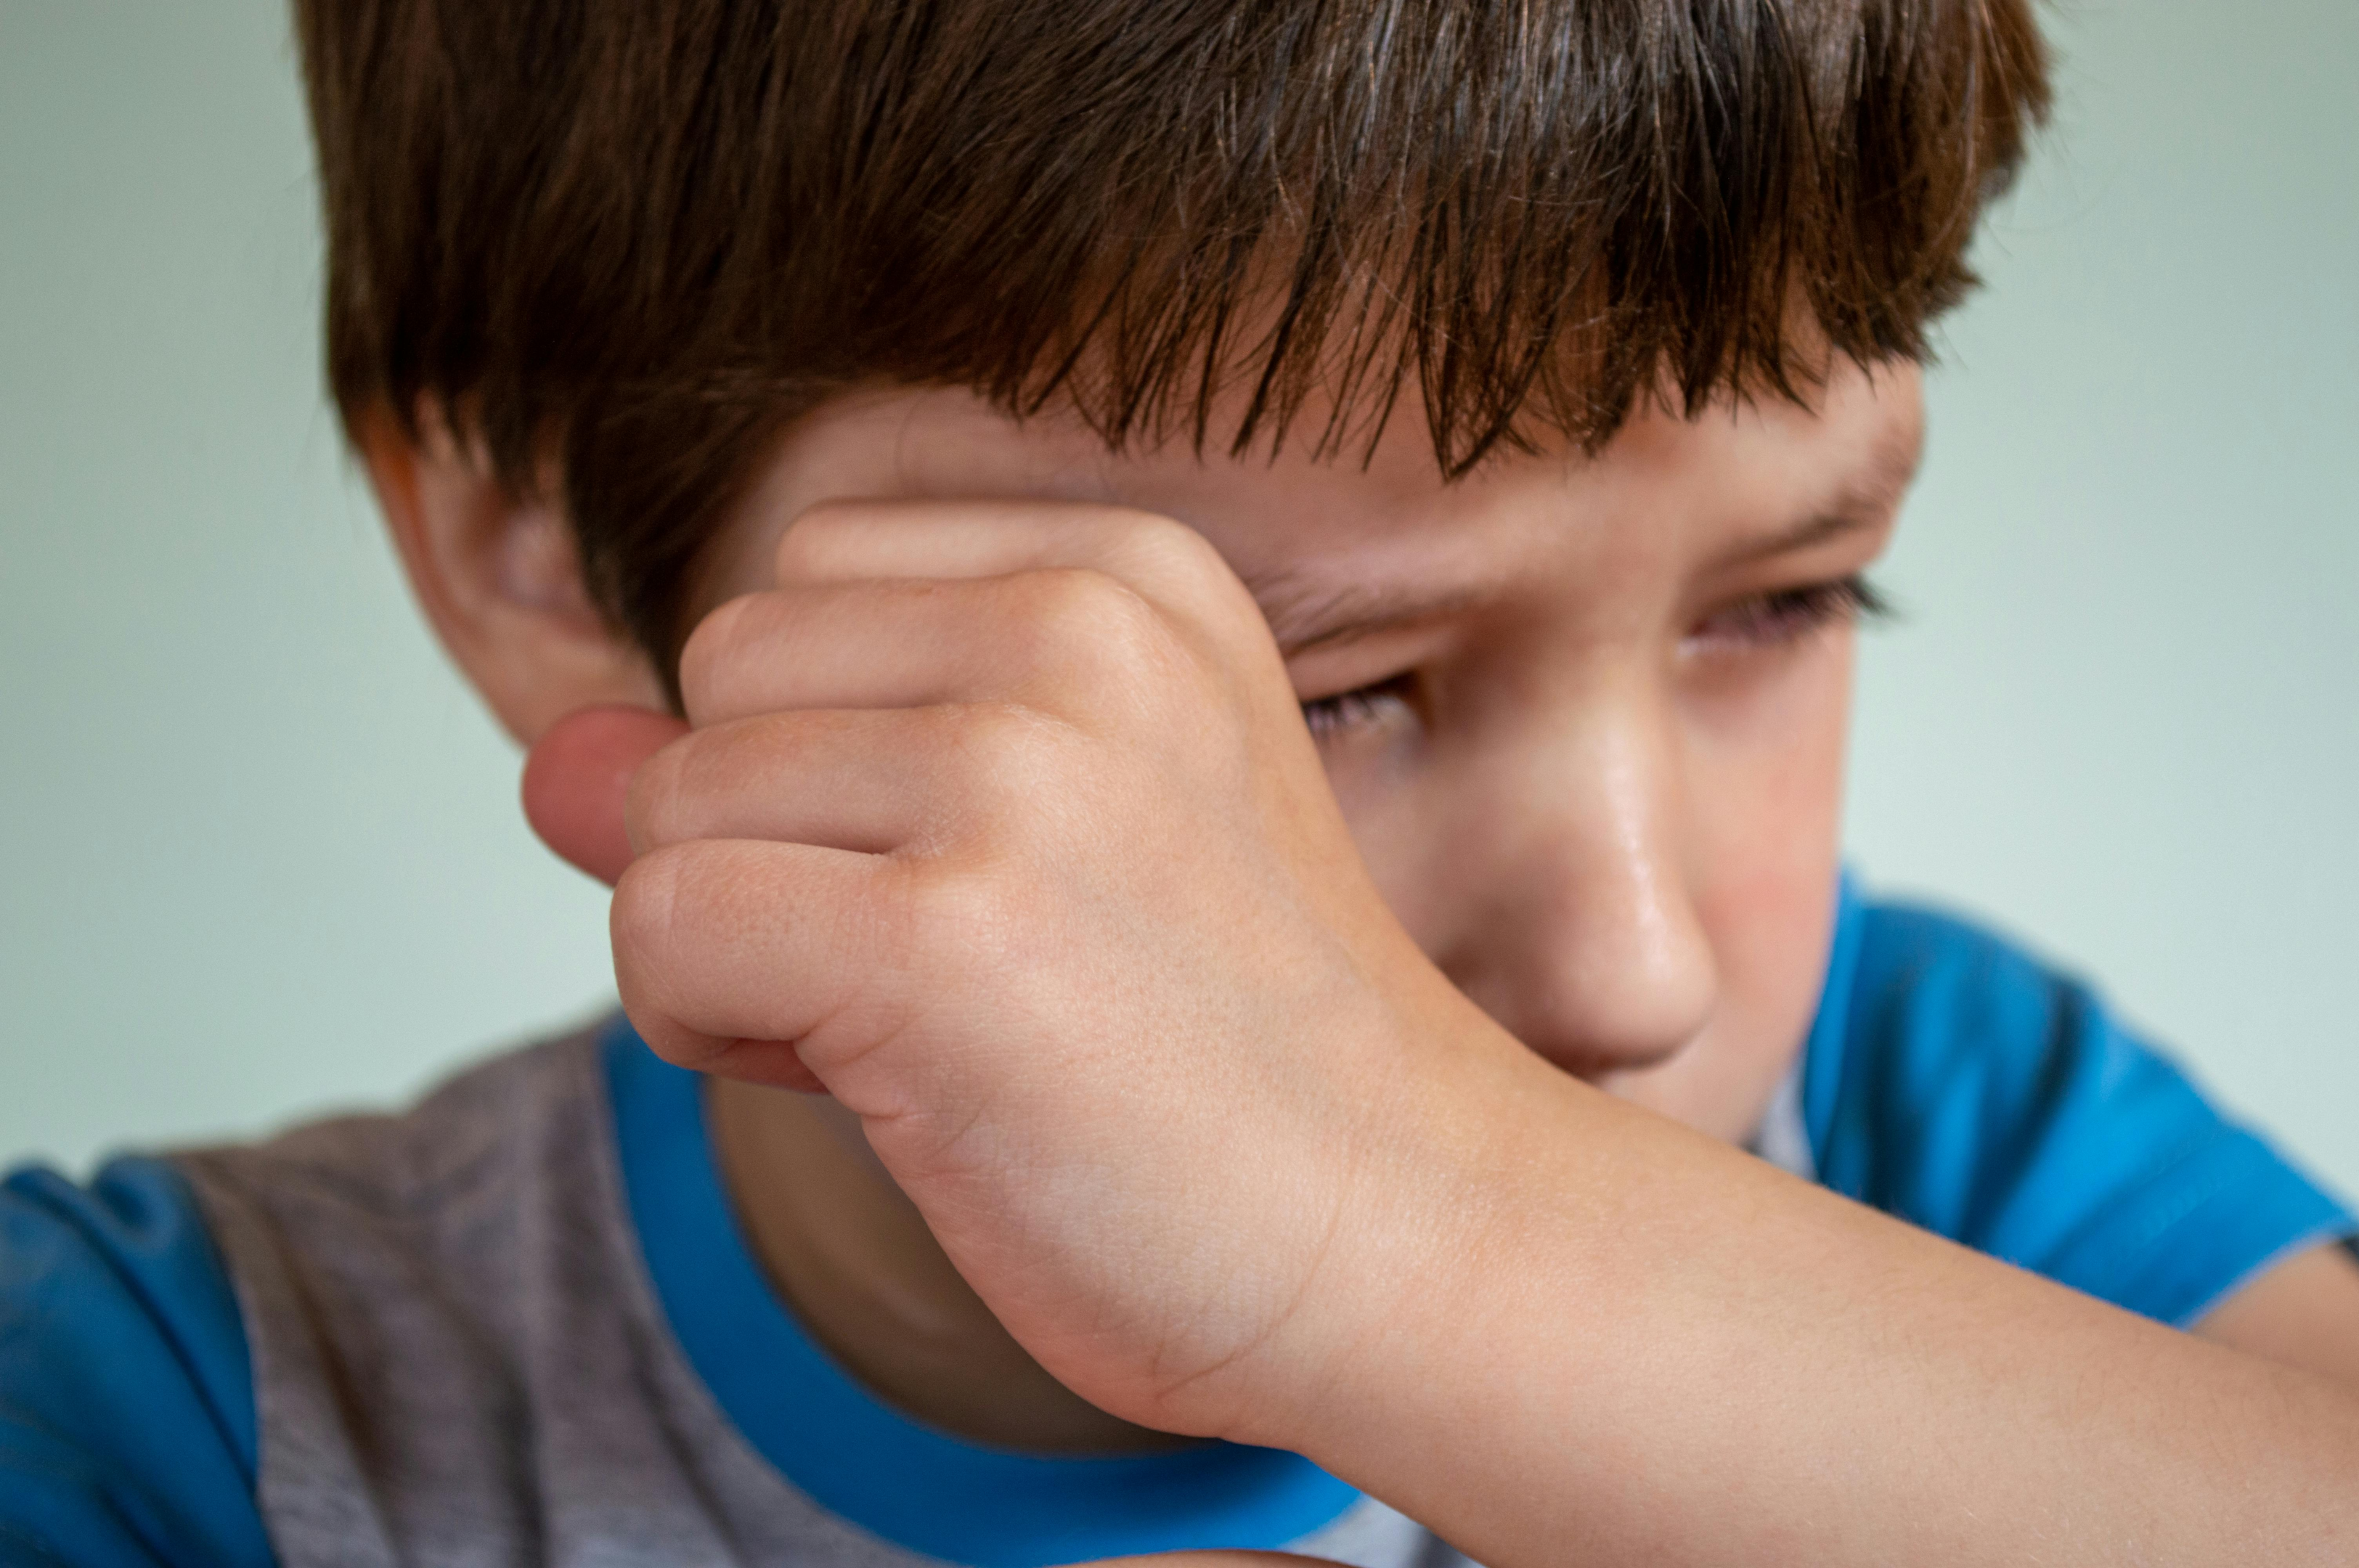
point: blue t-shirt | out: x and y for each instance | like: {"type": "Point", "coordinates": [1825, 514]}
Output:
{"type": "Point", "coordinates": [1948, 1079]}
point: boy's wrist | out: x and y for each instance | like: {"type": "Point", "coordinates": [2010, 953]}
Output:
{"type": "Point", "coordinates": [1431, 1173]}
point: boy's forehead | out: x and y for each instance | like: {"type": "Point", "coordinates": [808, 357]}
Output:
{"type": "Point", "coordinates": [1303, 528]}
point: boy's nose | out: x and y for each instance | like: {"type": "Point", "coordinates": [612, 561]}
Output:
{"type": "Point", "coordinates": [1582, 939]}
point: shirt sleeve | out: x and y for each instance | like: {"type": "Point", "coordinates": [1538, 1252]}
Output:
{"type": "Point", "coordinates": [1975, 1093]}
{"type": "Point", "coordinates": [127, 1405]}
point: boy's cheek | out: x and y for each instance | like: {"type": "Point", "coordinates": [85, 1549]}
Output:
{"type": "Point", "coordinates": [1771, 945]}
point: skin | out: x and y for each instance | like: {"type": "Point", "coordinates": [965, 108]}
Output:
{"type": "Point", "coordinates": [1418, 1047]}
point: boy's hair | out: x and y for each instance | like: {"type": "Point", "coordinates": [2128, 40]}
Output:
{"type": "Point", "coordinates": [628, 241]}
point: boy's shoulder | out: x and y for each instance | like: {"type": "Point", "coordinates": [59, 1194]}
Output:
{"type": "Point", "coordinates": [127, 1430]}
{"type": "Point", "coordinates": [361, 1290]}
{"type": "Point", "coordinates": [456, 1164]}
{"type": "Point", "coordinates": [425, 1336]}
{"type": "Point", "coordinates": [1957, 1081]}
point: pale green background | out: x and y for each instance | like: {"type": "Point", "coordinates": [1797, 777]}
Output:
{"type": "Point", "coordinates": [261, 851]}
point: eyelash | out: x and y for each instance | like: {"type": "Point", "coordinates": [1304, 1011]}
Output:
{"type": "Point", "coordinates": [1350, 709]}
{"type": "Point", "coordinates": [1766, 620]}
{"type": "Point", "coordinates": [1789, 615]}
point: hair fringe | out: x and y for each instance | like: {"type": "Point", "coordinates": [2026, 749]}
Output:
{"type": "Point", "coordinates": [642, 237]}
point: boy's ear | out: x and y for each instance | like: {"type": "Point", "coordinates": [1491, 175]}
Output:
{"type": "Point", "coordinates": [499, 579]}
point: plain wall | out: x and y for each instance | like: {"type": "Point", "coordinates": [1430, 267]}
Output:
{"type": "Point", "coordinates": [263, 851]}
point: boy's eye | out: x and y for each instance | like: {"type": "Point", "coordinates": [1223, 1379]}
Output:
{"type": "Point", "coordinates": [1788, 614]}
{"type": "Point", "coordinates": [1764, 620]}
{"type": "Point", "coordinates": [1359, 709]}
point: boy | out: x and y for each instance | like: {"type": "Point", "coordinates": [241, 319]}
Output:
{"type": "Point", "coordinates": [1258, 602]}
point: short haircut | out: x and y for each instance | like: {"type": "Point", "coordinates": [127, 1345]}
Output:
{"type": "Point", "coordinates": [627, 242]}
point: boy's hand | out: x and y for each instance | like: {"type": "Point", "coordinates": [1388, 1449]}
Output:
{"type": "Point", "coordinates": [1002, 824]}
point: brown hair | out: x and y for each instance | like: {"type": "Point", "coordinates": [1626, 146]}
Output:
{"type": "Point", "coordinates": [637, 237]}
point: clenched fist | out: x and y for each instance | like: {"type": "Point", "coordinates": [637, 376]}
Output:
{"type": "Point", "coordinates": [1001, 823]}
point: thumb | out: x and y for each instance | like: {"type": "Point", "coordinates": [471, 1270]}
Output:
{"type": "Point", "coordinates": [578, 777]}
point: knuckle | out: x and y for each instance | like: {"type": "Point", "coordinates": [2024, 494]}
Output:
{"type": "Point", "coordinates": [1009, 754]}
{"type": "Point", "coordinates": [1066, 597]}
{"type": "Point", "coordinates": [707, 648]}
{"type": "Point", "coordinates": [1169, 549]}
{"type": "Point", "coordinates": [651, 804]}
{"type": "Point", "coordinates": [809, 545]}
{"type": "Point", "coordinates": [729, 759]}
{"type": "Point", "coordinates": [679, 793]}
{"type": "Point", "coordinates": [954, 915]}
{"type": "Point", "coordinates": [1084, 615]}
{"type": "Point", "coordinates": [645, 914]}
{"type": "Point", "coordinates": [1189, 572]}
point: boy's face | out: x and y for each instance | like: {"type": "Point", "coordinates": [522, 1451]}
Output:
{"type": "Point", "coordinates": [1585, 716]}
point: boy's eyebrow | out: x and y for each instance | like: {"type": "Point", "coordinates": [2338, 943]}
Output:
{"type": "Point", "coordinates": [1304, 615]}
{"type": "Point", "coordinates": [1845, 517]}
{"type": "Point", "coordinates": [1866, 502]}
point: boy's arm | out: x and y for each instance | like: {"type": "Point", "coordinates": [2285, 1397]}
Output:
{"type": "Point", "coordinates": [1000, 822]}
{"type": "Point", "coordinates": [2300, 1313]}
{"type": "Point", "coordinates": [1677, 1355]}
{"type": "Point", "coordinates": [2304, 1313]}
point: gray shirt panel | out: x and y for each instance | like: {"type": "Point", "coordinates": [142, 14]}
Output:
{"type": "Point", "coordinates": [459, 1358]}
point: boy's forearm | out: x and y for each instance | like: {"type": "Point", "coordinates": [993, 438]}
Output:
{"type": "Point", "coordinates": [1618, 1341]}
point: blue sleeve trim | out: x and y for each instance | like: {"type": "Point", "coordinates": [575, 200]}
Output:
{"type": "Point", "coordinates": [1962, 1085]}
{"type": "Point", "coordinates": [934, 1493]}
{"type": "Point", "coordinates": [127, 1427]}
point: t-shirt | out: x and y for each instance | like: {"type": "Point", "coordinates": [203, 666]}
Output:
{"type": "Point", "coordinates": [519, 1323]}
